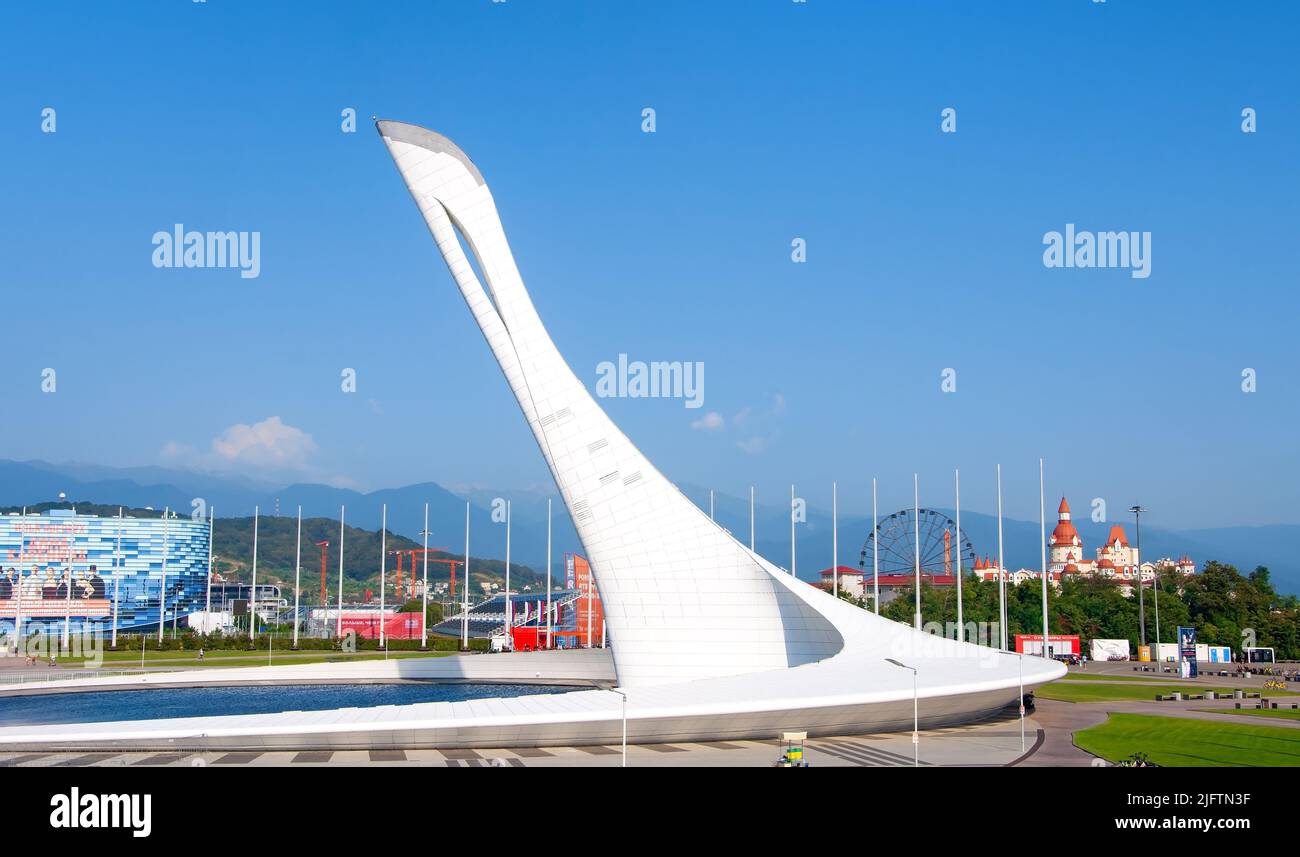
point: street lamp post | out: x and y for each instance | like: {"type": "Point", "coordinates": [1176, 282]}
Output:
{"type": "Point", "coordinates": [1142, 612]}
{"type": "Point", "coordinates": [916, 714]}
{"type": "Point", "coordinates": [624, 695]}
{"type": "Point", "coordinates": [1020, 661]}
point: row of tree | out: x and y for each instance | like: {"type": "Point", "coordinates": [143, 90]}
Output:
{"type": "Point", "coordinates": [1226, 607]}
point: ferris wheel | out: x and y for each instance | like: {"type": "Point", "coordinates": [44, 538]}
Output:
{"type": "Point", "coordinates": [943, 547]}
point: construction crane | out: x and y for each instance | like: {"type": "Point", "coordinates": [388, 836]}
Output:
{"type": "Point", "coordinates": [452, 563]}
{"type": "Point", "coordinates": [324, 549]}
{"type": "Point", "coordinates": [415, 553]}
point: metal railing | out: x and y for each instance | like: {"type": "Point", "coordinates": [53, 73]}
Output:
{"type": "Point", "coordinates": [55, 674]}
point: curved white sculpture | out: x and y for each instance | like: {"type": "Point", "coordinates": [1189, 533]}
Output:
{"type": "Point", "coordinates": [710, 641]}
{"type": "Point", "coordinates": [684, 600]}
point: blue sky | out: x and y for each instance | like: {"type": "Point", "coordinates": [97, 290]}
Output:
{"type": "Point", "coordinates": [775, 120]}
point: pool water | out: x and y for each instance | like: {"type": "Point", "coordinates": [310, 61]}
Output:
{"type": "Point", "coordinates": [263, 699]}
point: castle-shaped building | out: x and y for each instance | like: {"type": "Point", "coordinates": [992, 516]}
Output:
{"type": "Point", "coordinates": [1116, 560]}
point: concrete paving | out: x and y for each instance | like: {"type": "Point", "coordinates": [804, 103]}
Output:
{"type": "Point", "coordinates": [991, 742]}
{"type": "Point", "coordinates": [1048, 740]}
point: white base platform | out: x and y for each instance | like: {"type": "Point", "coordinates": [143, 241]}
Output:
{"type": "Point", "coordinates": [756, 706]}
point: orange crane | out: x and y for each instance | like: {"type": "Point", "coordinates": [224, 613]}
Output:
{"type": "Point", "coordinates": [416, 552]}
{"type": "Point", "coordinates": [452, 563]}
{"type": "Point", "coordinates": [398, 554]}
{"type": "Point", "coordinates": [324, 548]}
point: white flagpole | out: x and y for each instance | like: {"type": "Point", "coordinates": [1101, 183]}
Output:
{"type": "Point", "coordinates": [117, 574]}
{"type": "Point", "coordinates": [916, 526]}
{"type": "Point", "coordinates": [710, 504]}
{"type": "Point", "coordinates": [1002, 572]}
{"type": "Point", "coordinates": [162, 596]}
{"type": "Point", "coordinates": [835, 540]}
{"type": "Point", "coordinates": [297, 579]}
{"type": "Point", "coordinates": [212, 516]}
{"type": "Point", "coordinates": [67, 600]}
{"type": "Point", "coordinates": [510, 613]}
{"type": "Point", "coordinates": [548, 573]}
{"type": "Point", "coordinates": [464, 614]}
{"type": "Point", "coordinates": [1042, 529]}
{"type": "Point", "coordinates": [424, 614]}
{"type": "Point", "coordinates": [792, 553]}
{"type": "Point", "coordinates": [18, 604]}
{"type": "Point", "coordinates": [875, 550]}
{"type": "Point", "coordinates": [961, 632]}
{"type": "Point", "coordinates": [751, 518]}
{"type": "Point", "coordinates": [383, 568]}
{"type": "Point", "coordinates": [252, 592]}
{"type": "Point", "coordinates": [338, 626]}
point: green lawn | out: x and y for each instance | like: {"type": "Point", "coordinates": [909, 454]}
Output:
{"type": "Point", "coordinates": [1178, 742]}
{"type": "Point", "coordinates": [1279, 713]}
{"type": "Point", "coordinates": [1083, 676]}
{"type": "Point", "coordinates": [1097, 692]}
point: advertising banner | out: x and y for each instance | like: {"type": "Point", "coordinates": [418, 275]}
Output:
{"type": "Point", "coordinates": [1187, 651]}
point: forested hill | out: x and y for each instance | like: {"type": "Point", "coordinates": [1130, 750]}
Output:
{"type": "Point", "coordinates": [277, 538]}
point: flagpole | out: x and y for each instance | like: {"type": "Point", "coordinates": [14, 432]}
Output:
{"type": "Point", "coordinates": [835, 540]}
{"type": "Point", "coordinates": [212, 515]}
{"type": "Point", "coordinates": [751, 518]}
{"type": "Point", "coordinates": [18, 605]}
{"type": "Point", "coordinates": [961, 631]}
{"type": "Point", "coordinates": [67, 605]}
{"type": "Point", "coordinates": [510, 613]}
{"type": "Point", "coordinates": [338, 626]}
{"type": "Point", "coordinates": [1042, 529]}
{"type": "Point", "coordinates": [117, 574]}
{"type": "Point", "coordinates": [162, 596]}
{"type": "Point", "coordinates": [252, 591]}
{"type": "Point", "coordinates": [297, 579]}
{"type": "Point", "coordinates": [916, 526]}
{"type": "Point", "coordinates": [875, 549]}
{"type": "Point", "coordinates": [424, 614]}
{"type": "Point", "coordinates": [464, 614]}
{"type": "Point", "coordinates": [548, 573]}
{"type": "Point", "coordinates": [792, 553]}
{"type": "Point", "coordinates": [383, 568]}
{"type": "Point", "coordinates": [1002, 572]}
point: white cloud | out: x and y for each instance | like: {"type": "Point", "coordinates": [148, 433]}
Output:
{"type": "Point", "coordinates": [760, 423]}
{"type": "Point", "coordinates": [712, 421]}
{"type": "Point", "coordinates": [270, 443]}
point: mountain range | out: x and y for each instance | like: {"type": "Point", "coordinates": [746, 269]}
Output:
{"type": "Point", "coordinates": [29, 482]}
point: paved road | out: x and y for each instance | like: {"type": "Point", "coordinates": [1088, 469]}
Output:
{"type": "Point", "coordinates": [992, 742]}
